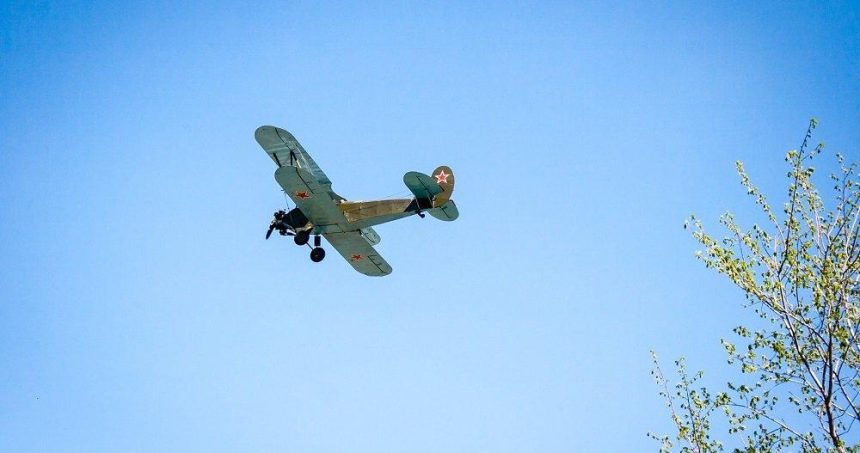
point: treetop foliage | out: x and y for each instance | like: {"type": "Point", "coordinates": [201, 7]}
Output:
{"type": "Point", "coordinates": [800, 374]}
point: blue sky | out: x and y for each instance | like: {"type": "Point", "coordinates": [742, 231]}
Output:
{"type": "Point", "coordinates": [141, 309]}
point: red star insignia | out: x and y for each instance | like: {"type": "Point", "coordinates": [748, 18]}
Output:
{"type": "Point", "coordinates": [357, 257]}
{"type": "Point", "coordinates": [302, 195]}
{"type": "Point", "coordinates": [442, 177]}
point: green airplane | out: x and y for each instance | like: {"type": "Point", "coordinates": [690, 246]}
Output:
{"type": "Point", "coordinates": [346, 225]}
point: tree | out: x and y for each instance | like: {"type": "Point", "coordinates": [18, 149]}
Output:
{"type": "Point", "coordinates": [800, 367]}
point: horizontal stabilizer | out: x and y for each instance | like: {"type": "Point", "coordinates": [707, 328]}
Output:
{"type": "Point", "coordinates": [446, 212]}
{"type": "Point", "coordinates": [423, 187]}
{"type": "Point", "coordinates": [431, 191]}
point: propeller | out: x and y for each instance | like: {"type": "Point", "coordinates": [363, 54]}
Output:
{"type": "Point", "coordinates": [279, 224]}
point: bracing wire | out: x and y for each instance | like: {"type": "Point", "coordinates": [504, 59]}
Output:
{"type": "Point", "coordinates": [400, 194]}
{"type": "Point", "coordinates": [286, 200]}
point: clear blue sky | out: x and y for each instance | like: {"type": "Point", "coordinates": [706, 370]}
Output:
{"type": "Point", "coordinates": [141, 309]}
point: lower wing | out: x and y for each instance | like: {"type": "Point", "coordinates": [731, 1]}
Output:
{"type": "Point", "coordinates": [358, 252]}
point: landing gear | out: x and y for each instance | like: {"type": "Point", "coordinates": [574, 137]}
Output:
{"type": "Point", "coordinates": [317, 253]}
{"type": "Point", "coordinates": [302, 237]}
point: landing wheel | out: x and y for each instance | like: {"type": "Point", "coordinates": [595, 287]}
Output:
{"type": "Point", "coordinates": [317, 254]}
{"type": "Point", "coordinates": [302, 237]}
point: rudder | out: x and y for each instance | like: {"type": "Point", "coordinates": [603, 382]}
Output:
{"type": "Point", "coordinates": [445, 179]}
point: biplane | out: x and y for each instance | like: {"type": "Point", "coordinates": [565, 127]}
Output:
{"type": "Point", "coordinates": [346, 225]}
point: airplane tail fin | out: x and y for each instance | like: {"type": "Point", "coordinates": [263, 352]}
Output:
{"type": "Point", "coordinates": [445, 179]}
{"type": "Point", "coordinates": [443, 206]}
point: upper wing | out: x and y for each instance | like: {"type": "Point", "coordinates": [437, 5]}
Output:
{"type": "Point", "coordinates": [286, 151]}
{"type": "Point", "coordinates": [359, 253]}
